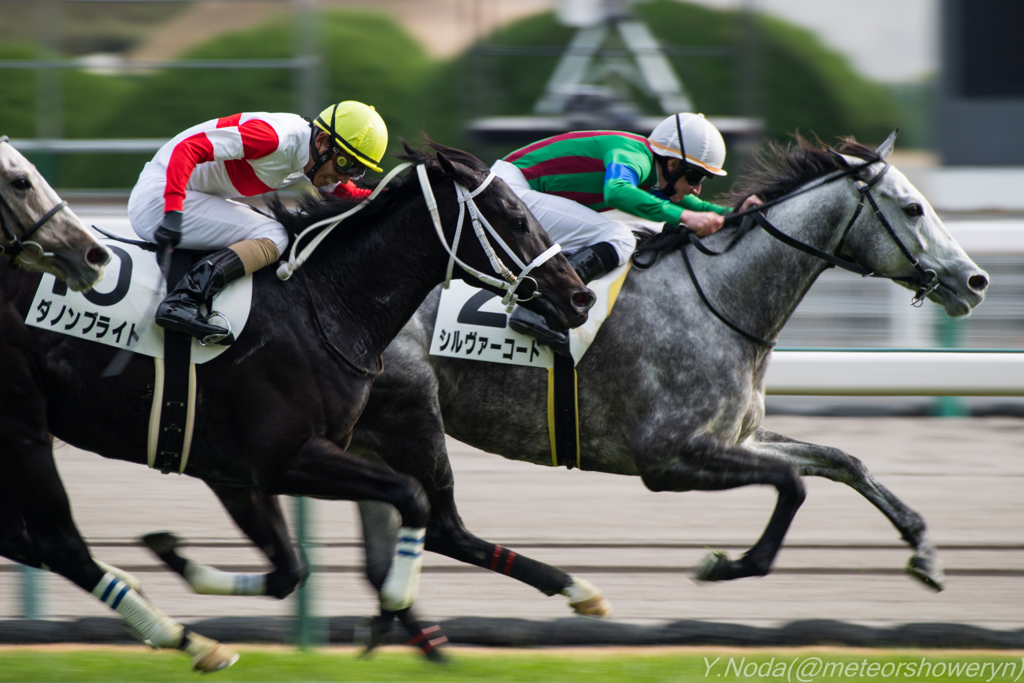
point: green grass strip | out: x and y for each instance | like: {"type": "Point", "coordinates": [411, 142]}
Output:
{"type": "Point", "coordinates": [593, 665]}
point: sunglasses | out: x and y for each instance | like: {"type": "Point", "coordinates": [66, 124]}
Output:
{"type": "Point", "coordinates": [346, 165]}
{"type": "Point", "coordinates": [695, 177]}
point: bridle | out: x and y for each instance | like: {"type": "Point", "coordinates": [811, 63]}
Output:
{"type": "Point", "coordinates": [926, 279]}
{"type": "Point", "coordinates": [16, 246]}
{"type": "Point", "coordinates": [506, 280]}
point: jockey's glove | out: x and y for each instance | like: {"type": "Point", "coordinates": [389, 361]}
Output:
{"type": "Point", "coordinates": [167, 237]}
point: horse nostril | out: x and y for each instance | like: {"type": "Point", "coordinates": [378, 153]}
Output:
{"type": "Point", "coordinates": [97, 256]}
{"type": "Point", "coordinates": [978, 283]}
{"type": "Point", "coordinates": [584, 300]}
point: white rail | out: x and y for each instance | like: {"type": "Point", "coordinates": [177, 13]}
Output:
{"type": "Point", "coordinates": [895, 373]}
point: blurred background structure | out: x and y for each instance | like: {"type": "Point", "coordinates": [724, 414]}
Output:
{"type": "Point", "coordinates": [91, 88]}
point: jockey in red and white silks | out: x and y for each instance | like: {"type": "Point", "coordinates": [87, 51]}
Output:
{"type": "Point", "coordinates": [185, 195]}
{"type": "Point", "coordinates": [201, 169]}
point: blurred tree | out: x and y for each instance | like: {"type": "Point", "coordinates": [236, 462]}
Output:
{"type": "Point", "coordinates": [366, 57]}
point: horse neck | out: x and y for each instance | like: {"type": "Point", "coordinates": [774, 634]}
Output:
{"type": "Point", "coordinates": [761, 281]}
{"type": "Point", "coordinates": [368, 286]}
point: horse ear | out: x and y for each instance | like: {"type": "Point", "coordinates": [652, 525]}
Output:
{"type": "Point", "coordinates": [446, 165]}
{"type": "Point", "coordinates": [839, 158]}
{"type": "Point", "coordinates": [885, 149]}
{"type": "Point", "coordinates": [460, 172]}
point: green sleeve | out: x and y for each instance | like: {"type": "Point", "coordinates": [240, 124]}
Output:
{"type": "Point", "coordinates": [623, 195]}
{"type": "Point", "coordinates": [693, 203]}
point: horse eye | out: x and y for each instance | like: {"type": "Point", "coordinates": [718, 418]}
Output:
{"type": "Point", "coordinates": [21, 184]}
{"type": "Point", "coordinates": [518, 225]}
{"type": "Point", "coordinates": [914, 210]}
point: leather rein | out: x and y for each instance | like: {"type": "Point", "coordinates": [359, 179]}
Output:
{"type": "Point", "coordinates": [926, 279]}
{"type": "Point", "coordinates": [16, 246]}
{"type": "Point", "coordinates": [517, 288]}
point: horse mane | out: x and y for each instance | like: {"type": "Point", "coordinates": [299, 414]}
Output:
{"type": "Point", "coordinates": [417, 156]}
{"type": "Point", "coordinates": [780, 169]}
{"type": "Point", "coordinates": [777, 170]}
{"type": "Point", "coordinates": [315, 207]}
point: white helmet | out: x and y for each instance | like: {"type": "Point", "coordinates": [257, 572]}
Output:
{"type": "Point", "coordinates": [702, 143]}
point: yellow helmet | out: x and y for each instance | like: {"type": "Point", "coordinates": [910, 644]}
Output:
{"type": "Point", "coordinates": [358, 129]}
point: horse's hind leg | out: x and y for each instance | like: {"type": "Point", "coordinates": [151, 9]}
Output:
{"type": "Point", "coordinates": [832, 463]}
{"type": "Point", "coordinates": [38, 529]}
{"type": "Point", "coordinates": [707, 464]}
{"type": "Point", "coordinates": [258, 515]}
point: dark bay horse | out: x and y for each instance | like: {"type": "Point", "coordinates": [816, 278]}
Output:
{"type": "Point", "coordinates": [683, 409]}
{"type": "Point", "coordinates": [276, 410]}
{"type": "Point", "coordinates": [40, 234]}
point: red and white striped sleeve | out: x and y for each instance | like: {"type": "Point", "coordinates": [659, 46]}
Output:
{"type": "Point", "coordinates": [229, 140]}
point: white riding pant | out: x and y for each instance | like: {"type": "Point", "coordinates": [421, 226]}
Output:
{"type": "Point", "coordinates": [569, 223]}
{"type": "Point", "coordinates": [208, 222]}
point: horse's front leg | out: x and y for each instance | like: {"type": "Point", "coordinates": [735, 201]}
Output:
{"type": "Point", "coordinates": [832, 463]}
{"type": "Point", "coordinates": [402, 426]}
{"type": "Point", "coordinates": [259, 517]}
{"type": "Point", "coordinates": [322, 469]}
{"type": "Point", "coordinates": [706, 463]}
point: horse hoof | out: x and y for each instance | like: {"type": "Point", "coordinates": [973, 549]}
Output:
{"type": "Point", "coordinates": [161, 542]}
{"type": "Point", "coordinates": [587, 600]}
{"type": "Point", "coordinates": [436, 656]}
{"type": "Point", "coordinates": [371, 633]}
{"type": "Point", "coordinates": [710, 567]}
{"type": "Point", "coordinates": [216, 658]}
{"type": "Point", "coordinates": [928, 571]}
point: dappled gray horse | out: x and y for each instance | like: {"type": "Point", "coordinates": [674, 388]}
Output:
{"type": "Point", "coordinates": [681, 410]}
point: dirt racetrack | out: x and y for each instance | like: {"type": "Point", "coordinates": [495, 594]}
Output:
{"type": "Point", "coordinates": [842, 559]}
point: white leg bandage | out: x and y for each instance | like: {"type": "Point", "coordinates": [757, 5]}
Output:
{"type": "Point", "coordinates": [141, 617]}
{"type": "Point", "coordinates": [207, 580]}
{"type": "Point", "coordinates": [402, 583]}
{"type": "Point", "coordinates": [120, 573]}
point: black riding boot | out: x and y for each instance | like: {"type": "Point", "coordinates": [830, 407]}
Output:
{"type": "Point", "coordinates": [589, 263]}
{"type": "Point", "coordinates": [179, 311]}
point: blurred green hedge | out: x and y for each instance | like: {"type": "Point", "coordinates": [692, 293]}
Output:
{"type": "Point", "coordinates": [802, 85]}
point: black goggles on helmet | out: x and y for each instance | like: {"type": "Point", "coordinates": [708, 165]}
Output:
{"type": "Point", "coordinates": [348, 165]}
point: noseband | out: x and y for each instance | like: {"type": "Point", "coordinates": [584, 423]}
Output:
{"type": "Point", "coordinates": [16, 246]}
{"type": "Point", "coordinates": [926, 279]}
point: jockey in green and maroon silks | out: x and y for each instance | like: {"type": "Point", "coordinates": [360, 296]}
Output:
{"type": "Point", "coordinates": [568, 180]}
